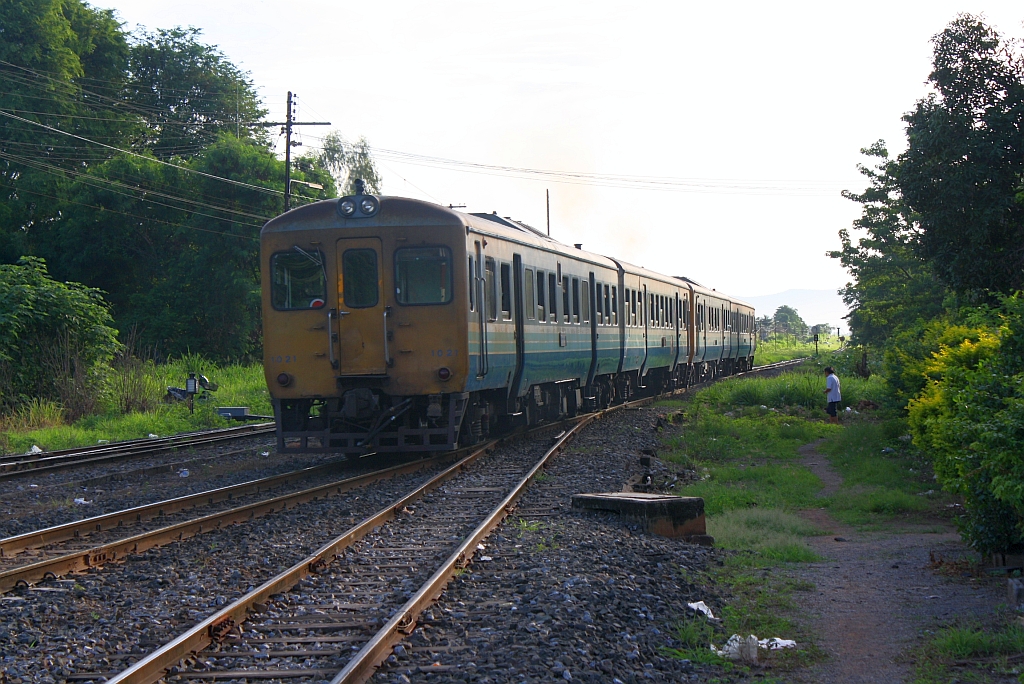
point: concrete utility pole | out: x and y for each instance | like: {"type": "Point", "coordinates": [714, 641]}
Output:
{"type": "Point", "coordinates": [286, 128]}
{"type": "Point", "coordinates": [547, 198]}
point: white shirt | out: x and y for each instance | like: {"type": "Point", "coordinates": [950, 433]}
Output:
{"type": "Point", "coordinates": [832, 383]}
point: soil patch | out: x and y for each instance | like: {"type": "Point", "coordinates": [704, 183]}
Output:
{"type": "Point", "coordinates": [874, 593]}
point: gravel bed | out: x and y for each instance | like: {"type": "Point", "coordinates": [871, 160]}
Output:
{"type": "Point", "coordinates": [27, 508]}
{"type": "Point", "coordinates": [560, 595]}
{"type": "Point", "coordinates": [102, 620]}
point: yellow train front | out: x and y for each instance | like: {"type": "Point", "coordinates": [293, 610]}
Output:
{"type": "Point", "coordinates": [363, 349]}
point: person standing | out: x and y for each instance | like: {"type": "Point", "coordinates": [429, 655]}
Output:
{"type": "Point", "coordinates": [832, 394]}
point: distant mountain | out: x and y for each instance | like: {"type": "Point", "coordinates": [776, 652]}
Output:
{"type": "Point", "coordinates": [814, 306]}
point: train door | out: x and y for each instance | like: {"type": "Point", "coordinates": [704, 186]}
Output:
{"type": "Point", "coordinates": [482, 309]}
{"type": "Point", "coordinates": [518, 320]}
{"type": "Point", "coordinates": [362, 310]}
{"type": "Point", "coordinates": [645, 314]}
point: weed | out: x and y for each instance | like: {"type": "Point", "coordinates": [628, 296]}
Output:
{"type": "Point", "coordinates": [773, 535]}
{"type": "Point", "coordinates": [527, 526]}
{"type": "Point", "coordinates": [695, 637]}
{"type": "Point", "coordinates": [969, 652]}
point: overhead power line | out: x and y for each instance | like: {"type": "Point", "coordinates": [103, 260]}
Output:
{"type": "Point", "coordinates": [142, 156]}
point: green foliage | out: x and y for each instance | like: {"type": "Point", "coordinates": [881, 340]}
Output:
{"type": "Point", "coordinates": [787, 320]}
{"type": "Point", "coordinates": [773, 535]}
{"type": "Point", "coordinates": [970, 416]}
{"type": "Point", "coordinates": [961, 174]}
{"type": "Point", "coordinates": [238, 386]}
{"type": "Point", "coordinates": [802, 388]}
{"type": "Point", "coordinates": [348, 162]}
{"type": "Point", "coordinates": [893, 287]}
{"type": "Point", "coordinates": [51, 333]}
{"type": "Point", "coordinates": [785, 347]}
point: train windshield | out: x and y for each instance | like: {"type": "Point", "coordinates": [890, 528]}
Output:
{"type": "Point", "coordinates": [297, 280]}
{"type": "Point", "coordinates": [423, 275]}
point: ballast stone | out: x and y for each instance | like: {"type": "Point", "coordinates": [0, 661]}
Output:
{"type": "Point", "coordinates": [661, 514]}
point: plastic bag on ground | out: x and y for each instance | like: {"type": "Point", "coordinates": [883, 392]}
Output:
{"type": "Point", "coordinates": [701, 607]}
{"type": "Point", "coordinates": [775, 643]}
{"type": "Point", "coordinates": [745, 649]}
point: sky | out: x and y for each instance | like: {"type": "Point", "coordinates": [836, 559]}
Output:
{"type": "Point", "coordinates": [751, 115]}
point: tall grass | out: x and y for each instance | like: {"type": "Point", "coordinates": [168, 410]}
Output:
{"type": "Point", "coordinates": [803, 388]}
{"type": "Point", "coordinates": [773, 534]}
{"type": "Point", "coordinates": [132, 405]}
{"type": "Point", "coordinates": [787, 347]}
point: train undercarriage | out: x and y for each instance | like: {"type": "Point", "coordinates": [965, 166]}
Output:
{"type": "Point", "coordinates": [366, 419]}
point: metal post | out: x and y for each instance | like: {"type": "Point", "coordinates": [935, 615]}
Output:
{"type": "Point", "coordinates": [547, 197]}
{"type": "Point", "coordinates": [288, 155]}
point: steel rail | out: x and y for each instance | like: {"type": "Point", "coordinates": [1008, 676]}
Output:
{"type": "Point", "coordinates": [84, 559]}
{"type": "Point", "coordinates": [363, 664]}
{"type": "Point", "coordinates": [12, 469]}
{"type": "Point", "coordinates": [10, 546]}
{"type": "Point", "coordinates": [154, 666]}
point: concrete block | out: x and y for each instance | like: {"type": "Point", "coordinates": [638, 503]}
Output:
{"type": "Point", "coordinates": [661, 514]}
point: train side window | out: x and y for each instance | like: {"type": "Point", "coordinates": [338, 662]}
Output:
{"type": "Point", "coordinates": [566, 313]}
{"type": "Point", "coordinates": [490, 295]}
{"type": "Point", "coordinates": [575, 300]}
{"type": "Point", "coordinates": [359, 278]}
{"type": "Point", "coordinates": [598, 304]}
{"type": "Point", "coordinates": [615, 305]}
{"type": "Point", "coordinates": [625, 306]}
{"type": "Point", "coordinates": [472, 293]}
{"type": "Point", "coordinates": [607, 303]}
{"type": "Point", "coordinates": [531, 303]}
{"type": "Point", "coordinates": [552, 298]}
{"type": "Point", "coordinates": [632, 308]}
{"type": "Point", "coordinates": [585, 294]}
{"type": "Point", "coordinates": [506, 292]}
{"type": "Point", "coordinates": [298, 281]}
{"type": "Point", "coordinates": [542, 303]}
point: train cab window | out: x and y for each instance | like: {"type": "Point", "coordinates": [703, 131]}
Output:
{"type": "Point", "coordinates": [506, 292]}
{"type": "Point", "coordinates": [490, 290]}
{"type": "Point", "coordinates": [566, 313]}
{"type": "Point", "coordinates": [599, 304]}
{"type": "Point", "coordinates": [615, 305]}
{"type": "Point", "coordinates": [298, 280]}
{"type": "Point", "coordinates": [531, 303]}
{"type": "Point", "coordinates": [585, 295]}
{"type": "Point", "coordinates": [359, 278]}
{"type": "Point", "coordinates": [423, 275]}
{"type": "Point", "coordinates": [575, 300]}
{"type": "Point", "coordinates": [552, 298]}
{"type": "Point", "coordinates": [542, 303]}
{"type": "Point", "coordinates": [472, 290]}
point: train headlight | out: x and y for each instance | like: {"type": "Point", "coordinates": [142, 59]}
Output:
{"type": "Point", "coordinates": [368, 206]}
{"type": "Point", "coordinates": [284, 379]}
{"type": "Point", "coordinates": [347, 208]}
{"type": "Point", "coordinates": [443, 373]}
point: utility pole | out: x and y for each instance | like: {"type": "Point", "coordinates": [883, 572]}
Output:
{"type": "Point", "coordinates": [547, 197]}
{"type": "Point", "coordinates": [286, 128]}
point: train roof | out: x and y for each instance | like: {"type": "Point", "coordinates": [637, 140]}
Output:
{"type": "Point", "coordinates": [401, 211]}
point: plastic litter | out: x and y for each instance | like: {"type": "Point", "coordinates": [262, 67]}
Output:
{"type": "Point", "coordinates": [34, 450]}
{"type": "Point", "coordinates": [103, 441]}
{"type": "Point", "coordinates": [738, 648]}
{"type": "Point", "coordinates": [701, 607]}
{"type": "Point", "coordinates": [152, 436]}
{"type": "Point", "coordinates": [183, 472]}
{"type": "Point", "coordinates": [776, 644]}
{"type": "Point", "coordinates": [264, 453]}
{"type": "Point", "coordinates": [81, 501]}
{"type": "Point", "coordinates": [745, 648]}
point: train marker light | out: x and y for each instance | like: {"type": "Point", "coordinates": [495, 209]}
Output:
{"type": "Point", "coordinates": [283, 379]}
{"type": "Point", "coordinates": [347, 208]}
{"type": "Point", "coordinates": [444, 373]}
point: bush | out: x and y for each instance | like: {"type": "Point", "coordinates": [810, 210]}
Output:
{"type": "Point", "coordinates": [54, 339]}
{"type": "Point", "coordinates": [970, 417]}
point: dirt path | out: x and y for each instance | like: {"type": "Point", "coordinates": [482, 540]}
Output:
{"type": "Point", "coordinates": [876, 592]}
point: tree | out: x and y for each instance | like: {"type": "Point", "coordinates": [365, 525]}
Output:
{"type": "Point", "coordinates": [962, 172]}
{"type": "Point", "coordinates": [788, 321]}
{"type": "Point", "coordinates": [191, 91]}
{"type": "Point", "coordinates": [893, 287]}
{"type": "Point", "coordinates": [347, 162]}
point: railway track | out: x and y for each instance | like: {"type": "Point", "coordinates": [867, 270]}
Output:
{"type": "Point", "coordinates": [12, 466]}
{"type": "Point", "coordinates": [340, 611]}
{"type": "Point", "coordinates": [358, 580]}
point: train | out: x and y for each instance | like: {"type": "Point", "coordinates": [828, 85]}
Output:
{"type": "Point", "coordinates": [394, 324]}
